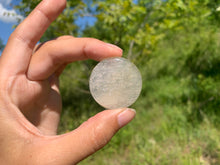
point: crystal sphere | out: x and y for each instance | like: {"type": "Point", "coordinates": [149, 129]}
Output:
{"type": "Point", "coordinates": [115, 83]}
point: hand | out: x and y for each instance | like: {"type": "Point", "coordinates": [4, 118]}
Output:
{"type": "Point", "coordinates": [30, 103]}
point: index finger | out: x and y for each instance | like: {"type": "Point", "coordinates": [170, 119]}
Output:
{"type": "Point", "coordinates": [18, 51]}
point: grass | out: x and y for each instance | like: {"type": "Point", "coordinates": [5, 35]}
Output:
{"type": "Point", "coordinates": [161, 133]}
{"type": "Point", "coordinates": [161, 136]}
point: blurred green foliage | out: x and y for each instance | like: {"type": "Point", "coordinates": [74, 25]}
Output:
{"type": "Point", "coordinates": [1, 45]}
{"type": "Point", "coordinates": [175, 44]}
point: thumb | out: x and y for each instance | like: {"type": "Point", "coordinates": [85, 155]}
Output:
{"type": "Point", "coordinates": [91, 136]}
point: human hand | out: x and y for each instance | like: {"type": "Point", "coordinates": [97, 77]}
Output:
{"type": "Point", "coordinates": [30, 103]}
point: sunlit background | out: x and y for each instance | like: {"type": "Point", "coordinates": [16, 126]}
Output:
{"type": "Point", "coordinates": [176, 46]}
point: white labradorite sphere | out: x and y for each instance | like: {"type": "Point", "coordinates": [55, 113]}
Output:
{"type": "Point", "coordinates": [115, 83]}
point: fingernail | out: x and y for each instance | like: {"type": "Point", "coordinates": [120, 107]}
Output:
{"type": "Point", "coordinates": [114, 47]}
{"type": "Point", "coordinates": [126, 116]}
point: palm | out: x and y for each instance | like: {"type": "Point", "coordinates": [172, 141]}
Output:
{"type": "Point", "coordinates": [40, 102]}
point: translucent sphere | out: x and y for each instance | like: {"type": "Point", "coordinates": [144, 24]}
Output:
{"type": "Point", "coordinates": [115, 83]}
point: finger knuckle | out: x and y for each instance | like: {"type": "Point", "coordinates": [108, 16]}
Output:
{"type": "Point", "coordinates": [65, 37]}
{"type": "Point", "coordinates": [100, 136]}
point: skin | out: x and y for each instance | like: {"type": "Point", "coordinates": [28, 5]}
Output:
{"type": "Point", "coordinates": [30, 102]}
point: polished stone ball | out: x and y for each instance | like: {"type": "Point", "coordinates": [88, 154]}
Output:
{"type": "Point", "coordinates": [115, 83]}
